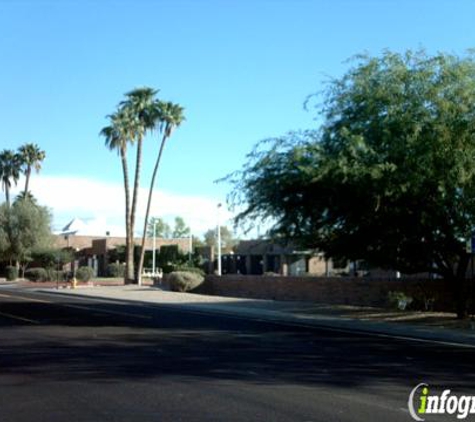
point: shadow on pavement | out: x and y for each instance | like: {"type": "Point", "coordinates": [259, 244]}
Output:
{"type": "Point", "coordinates": [114, 343]}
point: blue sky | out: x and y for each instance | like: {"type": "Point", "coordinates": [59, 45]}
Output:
{"type": "Point", "coordinates": [242, 70]}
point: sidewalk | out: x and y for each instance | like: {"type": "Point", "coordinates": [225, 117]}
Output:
{"type": "Point", "coordinates": [434, 327]}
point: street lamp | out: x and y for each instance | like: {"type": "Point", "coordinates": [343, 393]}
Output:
{"type": "Point", "coordinates": [190, 248]}
{"type": "Point", "coordinates": [219, 241]}
{"type": "Point", "coordinates": [153, 248]}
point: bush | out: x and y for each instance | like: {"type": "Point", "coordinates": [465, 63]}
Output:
{"type": "Point", "coordinates": [36, 274]}
{"type": "Point", "coordinates": [399, 300]}
{"type": "Point", "coordinates": [56, 275]}
{"type": "Point", "coordinates": [12, 273]}
{"type": "Point", "coordinates": [51, 258]}
{"type": "Point", "coordinates": [168, 268]}
{"type": "Point", "coordinates": [184, 281]}
{"type": "Point", "coordinates": [84, 273]}
{"type": "Point", "coordinates": [116, 270]}
{"type": "Point", "coordinates": [194, 270]}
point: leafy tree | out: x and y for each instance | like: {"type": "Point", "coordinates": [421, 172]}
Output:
{"type": "Point", "coordinates": [10, 165]}
{"type": "Point", "coordinates": [162, 229]}
{"type": "Point", "coordinates": [24, 228]}
{"type": "Point", "coordinates": [50, 257]}
{"type": "Point", "coordinates": [117, 254]}
{"type": "Point", "coordinates": [389, 178]}
{"type": "Point", "coordinates": [197, 242]}
{"type": "Point", "coordinates": [181, 229]}
{"type": "Point", "coordinates": [227, 239]}
{"type": "Point", "coordinates": [31, 157]}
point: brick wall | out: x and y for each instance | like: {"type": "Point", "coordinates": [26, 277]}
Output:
{"type": "Point", "coordinates": [331, 290]}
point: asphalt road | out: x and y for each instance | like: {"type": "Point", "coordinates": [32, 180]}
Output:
{"type": "Point", "coordinates": [74, 359]}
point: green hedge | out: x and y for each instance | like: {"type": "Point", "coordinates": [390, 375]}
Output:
{"type": "Point", "coordinates": [184, 281]}
{"type": "Point", "coordinates": [36, 274]}
{"type": "Point", "coordinates": [11, 273]}
{"type": "Point", "coordinates": [56, 275]}
{"type": "Point", "coordinates": [116, 270]}
{"type": "Point", "coordinates": [194, 270]}
{"type": "Point", "coordinates": [84, 273]}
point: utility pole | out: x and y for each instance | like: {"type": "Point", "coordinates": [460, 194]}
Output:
{"type": "Point", "coordinates": [153, 247]}
{"type": "Point", "coordinates": [219, 241]}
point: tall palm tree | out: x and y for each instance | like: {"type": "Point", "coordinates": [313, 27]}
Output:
{"type": "Point", "coordinates": [140, 103]}
{"type": "Point", "coordinates": [167, 116]}
{"type": "Point", "coordinates": [28, 196]}
{"type": "Point", "coordinates": [32, 157]}
{"type": "Point", "coordinates": [10, 167]}
{"type": "Point", "coordinates": [118, 134]}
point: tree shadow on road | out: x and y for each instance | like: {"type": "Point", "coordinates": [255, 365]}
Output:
{"type": "Point", "coordinates": [115, 343]}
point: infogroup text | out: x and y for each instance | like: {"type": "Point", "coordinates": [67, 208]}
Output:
{"type": "Point", "coordinates": [422, 403]}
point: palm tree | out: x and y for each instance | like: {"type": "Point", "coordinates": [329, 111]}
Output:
{"type": "Point", "coordinates": [117, 135]}
{"type": "Point", "coordinates": [25, 196]}
{"type": "Point", "coordinates": [140, 103]}
{"type": "Point", "coordinates": [10, 167]}
{"type": "Point", "coordinates": [167, 116]}
{"type": "Point", "coordinates": [32, 157]}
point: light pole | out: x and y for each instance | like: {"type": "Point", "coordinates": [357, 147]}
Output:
{"type": "Point", "coordinates": [219, 241]}
{"type": "Point", "coordinates": [190, 249]}
{"type": "Point", "coordinates": [153, 248]}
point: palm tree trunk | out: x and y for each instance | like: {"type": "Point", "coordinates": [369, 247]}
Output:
{"type": "Point", "coordinates": [147, 212]}
{"type": "Point", "coordinates": [129, 264]}
{"type": "Point", "coordinates": [7, 195]}
{"type": "Point", "coordinates": [130, 256]}
{"type": "Point", "coordinates": [27, 180]}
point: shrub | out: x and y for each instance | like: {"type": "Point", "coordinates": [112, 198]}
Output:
{"type": "Point", "coordinates": [12, 273]}
{"type": "Point", "coordinates": [184, 281]}
{"type": "Point", "coordinates": [116, 270]}
{"type": "Point", "coordinates": [194, 270]}
{"type": "Point", "coordinates": [168, 268]}
{"type": "Point", "coordinates": [56, 275]}
{"type": "Point", "coordinates": [51, 258]}
{"type": "Point", "coordinates": [84, 273]}
{"type": "Point", "coordinates": [399, 300]}
{"type": "Point", "coordinates": [36, 274]}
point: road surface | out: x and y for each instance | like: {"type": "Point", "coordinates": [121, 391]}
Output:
{"type": "Point", "coordinates": [70, 359]}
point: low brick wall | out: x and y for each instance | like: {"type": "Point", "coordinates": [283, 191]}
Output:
{"type": "Point", "coordinates": [333, 290]}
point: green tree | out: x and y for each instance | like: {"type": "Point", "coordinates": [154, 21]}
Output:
{"type": "Point", "coordinates": [10, 166]}
{"type": "Point", "coordinates": [181, 229]}
{"type": "Point", "coordinates": [50, 257]}
{"type": "Point", "coordinates": [22, 196]}
{"type": "Point", "coordinates": [24, 228]}
{"type": "Point", "coordinates": [31, 157]}
{"type": "Point", "coordinates": [165, 116]}
{"type": "Point", "coordinates": [227, 239]}
{"type": "Point", "coordinates": [162, 229]}
{"type": "Point", "coordinates": [389, 178]}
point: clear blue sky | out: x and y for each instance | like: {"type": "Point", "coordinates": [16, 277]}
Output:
{"type": "Point", "coordinates": [242, 70]}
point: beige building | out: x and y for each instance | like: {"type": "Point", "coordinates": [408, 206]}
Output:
{"type": "Point", "coordinates": [94, 250]}
{"type": "Point", "coordinates": [263, 256]}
